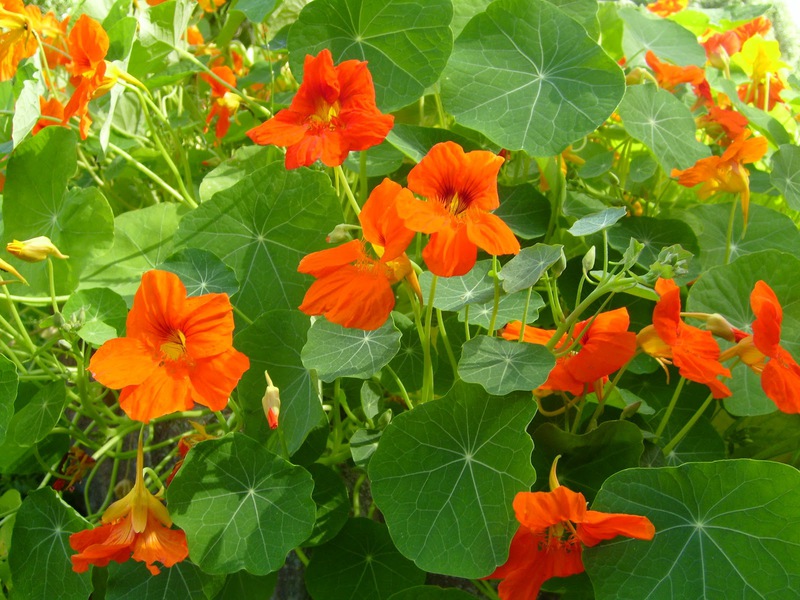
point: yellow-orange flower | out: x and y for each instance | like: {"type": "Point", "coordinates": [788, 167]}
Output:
{"type": "Point", "coordinates": [665, 8]}
{"type": "Point", "coordinates": [224, 103]}
{"type": "Point", "coordinates": [35, 249]}
{"type": "Point", "coordinates": [19, 41]}
{"type": "Point", "coordinates": [670, 76]}
{"type": "Point", "coordinates": [49, 108]}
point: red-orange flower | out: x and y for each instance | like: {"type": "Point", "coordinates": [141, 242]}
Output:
{"type": "Point", "coordinates": [671, 341]}
{"type": "Point", "coordinates": [758, 26]}
{"type": "Point", "coordinates": [177, 351]}
{"type": "Point", "coordinates": [332, 113]}
{"type": "Point", "coordinates": [723, 123]}
{"type": "Point", "coordinates": [49, 108]}
{"type": "Point", "coordinates": [720, 47]}
{"type": "Point", "coordinates": [461, 189]}
{"type": "Point", "coordinates": [670, 76]}
{"type": "Point", "coordinates": [554, 528]}
{"type": "Point", "coordinates": [352, 288]}
{"type": "Point", "coordinates": [224, 102]}
{"type": "Point", "coordinates": [604, 345]}
{"type": "Point", "coordinates": [137, 526]}
{"type": "Point", "coordinates": [19, 41]}
{"type": "Point", "coordinates": [665, 8]}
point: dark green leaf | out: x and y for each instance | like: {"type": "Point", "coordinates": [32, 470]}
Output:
{"type": "Point", "coordinates": [244, 585]}
{"type": "Point", "coordinates": [382, 159]}
{"type": "Point", "coordinates": [201, 272]}
{"type": "Point", "coordinates": [333, 504]}
{"type": "Point", "coordinates": [37, 418]}
{"type": "Point", "coordinates": [501, 366]}
{"type": "Point", "coordinates": [8, 393]}
{"type": "Point", "coordinates": [786, 174]}
{"type": "Point", "coordinates": [431, 592]}
{"type": "Point", "coordinates": [525, 210]}
{"type": "Point", "coordinates": [415, 141]}
{"type": "Point", "coordinates": [527, 267]}
{"type": "Point", "coordinates": [131, 581]}
{"type": "Point", "coordinates": [654, 234]}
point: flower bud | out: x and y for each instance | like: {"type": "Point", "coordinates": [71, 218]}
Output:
{"type": "Point", "coordinates": [35, 249]}
{"type": "Point", "coordinates": [719, 326]}
{"type": "Point", "coordinates": [588, 259]}
{"type": "Point", "coordinates": [4, 266]}
{"type": "Point", "coordinates": [271, 402]}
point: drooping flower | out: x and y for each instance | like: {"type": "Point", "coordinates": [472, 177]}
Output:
{"type": "Point", "coordinates": [177, 351]}
{"type": "Point", "coordinates": [49, 108]}
{"type": "Point", "coordinates": [670, 76]}
{"type": "Point", "coordinates": [333, 113]}
{"type": "Point", "coordinates": [138, 526]}
{"type": "Point", "coordinates": [35, 249]}
{"type": "Point", "coordinates": [665, 8]}
{"type": "Point", "coordinates": [672, 341]}
{"type": "Point", "coordinates": [224, 102]}
{"type": "Point", "coordinates": [353, 288]}
{"type": "Point", "coordinates": [7, 268]}
{"type": "Point", "coordinates": [726, 173]}
{"type": "Point", "coordinates": [604, 345]}
{"type": "Point", "coordinates": [461, 189]}
{"type": "Point", "coordinates": [186, 443]}
{"type": "Point", "coordinates": [73, 466]}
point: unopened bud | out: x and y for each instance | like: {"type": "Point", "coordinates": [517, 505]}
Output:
{"type": "Point", "coordinates": [340, 234]}
{"type": "Point", "coordinates": [560, 265]}
{"type": "Point", "coordinates": [35, 249]}
{"type": "Point", "coordinates": [4, 266]}
{"type": "Point", "coordinates": [271, 402]}
{"type": "Point", "coordinates": [588, 259]}
{"type": "Point", "coordinates": [553, 480]}
{"type": "Point", "coordinates": [719, 326]}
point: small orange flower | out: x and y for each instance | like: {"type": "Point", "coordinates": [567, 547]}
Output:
{"type": "Point", "coordinates": [137, 526]}
{"type": "Point", "coordinates": [665, 8]}
{"type": "Point", "coordinates": [723, 123]}
{"type": "Point", "coordinates": [224, 102]}
{"type": "Point", "coordinates": [671, 341]}
{"type": "Point", "coordinates": [604, 345]}
{"type": "Point", "coordinates": [332, 113]}
{"type": "Point", "coordinates": [554, 528]}
{"type": "Point", "coordinates": [19, 42]}
{"type": "Point", "coordinates": [720, 47]}
{"type": "Point", "coordinates": [177, 351]}
{"type": "Point", "coordinates": [726, 173]}
{"type": "Point", "coordinates": [758, 26]}
{"type": "Point", "coordinates": [670, 76]}
{"type": "Point", "coordinates": [49, 108]}
{"type": "Point", "coordinates": [352, 288]}
{"type": "Point", "coordinates": [210, 6]}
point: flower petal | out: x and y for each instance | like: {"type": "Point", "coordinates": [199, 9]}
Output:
{"type": "Point", "coordinates": [207, 325]}
{"type": "Point", "coordinates": [490, 233]}
{"type": "Point", "coordinates": [122, 362]}
{"type": "Point", "coordinates": [214, 378]}
{"type": "Point", "coordinates": [160, 394]}
{"type": "Point", "coordinates": [380, 222]}
{"type": "Point", "coordinates": [450, 252]}
{"type": "Point", "coordinates": [598, 526]}
{"type": "Point", "coordinates": [326, 261]}
{"type": "Point", "coordinates": [540, 510]}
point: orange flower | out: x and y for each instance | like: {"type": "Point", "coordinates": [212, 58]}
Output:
{"type": "Point", "coordinates": [461, 189]}
{"type": "Point", "coordinates": [332, 113]}
{"type": "Point", "coordinates": [19, 42]}
{"type": "Point", "coordinates": [177, 351]}
{"type": "Point", "coordinates": [604, 345]}
{"type": "Point", "coordinates": [49, 108]}
{"type": "Point", "coordinates": [671, 341]}
{"type": "Point", "coordinates": [193, 36]}
{"type": "Point", "coordinates": [720, 47]}
{"type": "Point", "coordinates": [54, 40]}
{"type": "Point", "coordinates": [758, 26]}
{"type": "Point", "coordinates": [225, 103]}
{"type": "Point", "coordinates": [728, 124]}
{"type": "Point", "coordinates": [670, 76]}
{"type": "Point", "coordinates": [759, 96]}
{"type": "Point", "coordinates": [665, 8]}
{"type": "Point", "coordinates": [137, 525]}
{"type": "Point", "coordinates": [352, 288]}
{"type": "Point", "coordinates": [554, 528]}
{"type": "Point", "coordinates": [210, 5]}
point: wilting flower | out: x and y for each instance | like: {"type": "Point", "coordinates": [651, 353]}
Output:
{"type": "Point", "coordinates": [780, 375]}
{"type": "Point", "coordinates": [461, 189]}
{"type": "Point", "coordinates": [671, 341]}
{"type": "Point", "coordinates": [49, 108]}
{"type": "Point", "coordinates": [73, 466]}
{"type": "Point", "coordinates": [177, 351]}
{"type": "Point", "coordinates": [224, 102]}
{"type": "Point", "coordinates": [604, 345]}
{"type": "Point", "coordinates": [665, 8]}
{"type": "Point", "coordinates": [136, 526]}
{"type": "Point", "coordinates": [19, 41]}
{"type": "Point", "coordinates": [726, 173]}
{"type": "Point", "coordinates": [554, 528]}
{"type": "Point", "coordinates": [35, 249]}
{"type": "Point", "coordinates": [670, 76]}
{"type": "Point", "coordinates": [332, 113]}
{"type": "Point", "coordinates": [353, 288]}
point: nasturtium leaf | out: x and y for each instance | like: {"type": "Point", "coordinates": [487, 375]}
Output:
{"type": "Point", "coordinates": [143, 239]}
{"type": "Point", "coordinates": [510, 308]}
{"type": "Point", "coordinates": [96, 315]}
{"type": "Point", "coordinates": [336, 351]}
{"type": "Point", "coordinates": [431, 592]}
{"type": "Point", "coordinates": [363, 444]}
{"type": "Point", "coordinates": [360, 562]}
{"type": "Point", "coordinates": [255, 10]}
{"type": "Point", "coordinates": [445, 474]}
{"type": "Point", "coordinates": [409, 362]}
{"type": "Point", "coordinates": [587, 460]}
{"type": "Point", "coordinates": [273, 343]}
{"type": "Point", "coordinates": [786, 174]}
{"type": "Point", "coordinates": [406, 43]}
{"type": "Point", "coordinates": [39, 556]}
{"type": "Point", "coordinates": [668, 41]}
{"type": "Point", "coordinates": [131, 581]}
{"type": "Point", "coordinates": [583, 11]}
{"type": "Point", "coordinates": [245, 160]}
{"type": "Point", "coordinates": [527, 267]}
{"type": "Point", "coordinates": [415, 141]}
{"type": "Point", "coordinates": [664, 124]}
{"type": "Point", "coordinates": [241, 506]}
{"type": "Point", "coordinates": [597, 165]}
{"type": "Point", "coordinates": [729, 527]}
{"type": "Point", "coordinates": [37, 418]}
{"type": "Point", "coordinates": [8, 393]}
{"type": "Point", "coordinates": [654, 234]}
{"type": "Point", "coordinates": [202, 272]}
{"type": "Point", "coordinates": [501, 366]}
{"type": "Point", "coordinates": [454, 293]}
{"type": "Point", "coordinates": [242, 584]}
{"type": "Point", "coordinates": [26, 108]}
{"type": "Point", "coordinates": [702, 444]}
{"type": "Point", "coordinates": [530, 78]}
{"type": "Point", "coordinates": [525, 210]}
{"type": "Point", "coordinates": [262, 226]}
{"type": "Point", "coordinates": [597, 221]}
{"type": "Point", "coordinates": [333, 504]}
{"type": "Point", "coordinates": [382, 159]}
{"type": "Point", "coordinates": [463, 11]}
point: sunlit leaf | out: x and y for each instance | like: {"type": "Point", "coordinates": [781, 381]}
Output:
{"type": "Point", "coordinates": [501, 366]}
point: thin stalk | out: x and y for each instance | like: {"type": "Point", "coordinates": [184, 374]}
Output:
{"type": "Point", "coordinates": [427, 380]}
{"type": "Point", "coordinates": [347, 191]}
{"type": "Point", "coordinates": [52, 283]}
{"type": "Point", "coordinates": [729, 232]}
{"type": "Point", "coordinates": [362, 176]}
{"type": "Point", "coordinates": [466, 323]}
{"type": "Point", "coordinates": [673, 401]}
{"type": "Point", "coordinates": [496, 306]}
{"type": "Point", "coordinates": [443, 332]}
{"type": "Point", "coordinates": [682, 433]}
{"type": "Point", "coordinates": [142, 169]}
{"type": "Point", "coordinates": [400, 385]}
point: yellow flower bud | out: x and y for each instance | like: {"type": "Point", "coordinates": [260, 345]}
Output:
{"type": "Point", "coordinates": [4, 266]}
{"type": "Point", "coordinates": [35, 249]}
{"type": "Point", "coordinates": [271, 403]}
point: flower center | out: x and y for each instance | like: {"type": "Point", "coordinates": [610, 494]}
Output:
{"type": "Point", "coordinates": [326, 117]}
{"type": "Point", "coordinates": [175, 346]}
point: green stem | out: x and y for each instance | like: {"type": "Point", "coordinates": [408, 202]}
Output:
{"type": "Point", "coordinates": [729, 232]}
{"type": "Point", "coordinates": [52, 283]}
{"type": "Point", "coordinates": [142, 169]}
{"type": "Point", "coordinates": [403, 391]}
{"type": "Point", "coordinates": [682, 433]}
{"type": "Point", "coordinates": [525, 316]}
{"type": "Point", "coordinates": [673, 401]}
{"type": "Point", "coordinates": [445, 340]}
{"type": "Point", "coordinates": [347, 191]}
{"type": "Point", "coordinates": [467, 335]}
{"type": "Point", "coordinates": [362, 177]}
{"type": "Point", "coordinates": [302, 556]}
{"type": "Point", "coordinates": [427, 380]}
{"type": "Point", "coordinates": [496, 305]}
{"type": "Point", "coordinates": [485, 589]}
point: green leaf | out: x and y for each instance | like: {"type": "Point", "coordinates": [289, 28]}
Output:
{"type": "Point", "coordinates": [702, 444]}
{"type": "Point", "coordinates": [445, 474]}
{"type": "Point", "coordinates": [261, 227]}
{"type": "Point", "coordinates": [40, 553]}
{"type": "Point", "coordinates": [255, 10]}
{"type": "Point", "coordinates": [668, 41]}
{"type": "Point", "coordinates": [333, 504]}
{"type": "Point", "coordinates": [96, 315]}
{"type": "Point", "coordinates": [530, 78]}
{"type": "Point", "coordinates": [26, 109]}
{"type": "Point", "coordinates": [131, 580]}
{"type": "Point", "coordinates": [597, 221]}
{"type": "Point", "coordinates": [273, 343]}
{"type": "Point", "coordinates": [527, 267]}
{"type": "Point", "coordinates": [405, 42]}
{"type": "Point", "coordinates": [587, 460]}
{"type": "Point", "coordinates": [242, 164]}
{"type": "Point", "coordinates": [143, 239]}
{"type": "Point", "coordinates": [664, 124]}
{"type": "Point", "coordinates": [525, 210]}
{"type": "Point", "coordinates": [244, 585]}
{"type": "Point", "coordinates": [382, 159]}
{"type": "Point", "coordinates": [336, 351]}
{"type": "Point", "coordinates": [241, 506]}
{"type": "Point", "coordinates": [510, 308]}
{"type": "Point", "coordinates": [363, 444]}
{"type": "Point", "coordinates": [583, 11]}
{"type": "Point", "coordinates": [8, 393]}
{"type": "Point", "coordinates": [654, 234]}
{"type": "Point", "coordinates": [409, 362]}
{"type": "Point", "coordinates": [415, 141]}
{"type": "Point", "coordinates": [463, 11]}
{"type": "Point", "coordinates": [431, 592]}
{"type": "Point", "coordinates": [202, 272]}
{"type": "Point", "coordinates": [361, 562]}
{"type": "Point", "coordinates": [454, 293]}
{"type": "Point", "coordinates": [501, 366]}
{"type": "Point", "coordinates": [728, 526]}
{"type": "Point", "coordinates": [786, 174]}
{"type": "Point", "coordinates": [37, 418]}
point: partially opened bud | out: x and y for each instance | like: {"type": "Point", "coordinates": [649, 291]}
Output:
{"type": "Point", "coordinates": [4, 266]}
{"type": "Point", "coordinates": [35, 249]}
{"type": "Point", "coordinates": [271, 403]}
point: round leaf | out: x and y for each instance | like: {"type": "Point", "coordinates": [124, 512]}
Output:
{"type": "Point", "coordinates": [431, 592]}
{"type": "Point", "coordinates": [786, 174]}
{"type": "Point", "coordinates": [131, 581]}
{"type": "Point", "coordinates": [201, 272]}
{"type": "Point", "coordinates": [38, 417]}
{"type": "Point", "coordinates": [333, 504]}
{"type": "Point", "coordinates": [510, 308]}
{"type": "Point", "coordinates": [97, 314]}
{"type": "Point", "coordinates": [668, 40]}
{"type": "Point", "coordinates": [501, 366]}
{"type": "Point", "coordinates": [597, 221]}
{"type": "Point", "coordinates": [525, 210]}
{"type": "Point", "coordinates": [454, 293]}
{"type": "Point", "coordinates": [525, 269]}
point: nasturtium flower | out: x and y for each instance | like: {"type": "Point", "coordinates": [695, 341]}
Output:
{"type": "Point", "coordinates": [665, 8]}
{"type": "Point", "coordinates": [554, 528]}
{"type": "Point", "coordinates": [177, 351]}
{"type": "Point", "coordinates": [51, 108]}
{"type": "Point", "coordinates": [724, 124]}
{"type": "Point", "coordinates": [670, 76]}
{"type": "Point", "coordinates": [18, 41]}
{"type": "Point", "coordinates": [720, 47]}
{"type": "Point", "coordinates": [35, 249]}
{"type": "Point", "coordinates": [7, 268]}
{"type": "Point", "coordinates": [604, 345]}
{"type": "Point", "coordinates": [460, 189]}
{"type": "Point", "coordinates": [224, 103]}
{"type": "Point", "coordinates": [672, 341]}
{"type": "Point", "coordinates": [210, 6]}
{"type": "Point", "coordinates": [138, 526]}
{"type": "Point", "coordinates": [333, 113]}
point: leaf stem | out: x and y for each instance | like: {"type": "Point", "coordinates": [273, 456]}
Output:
{"type": "Point", "coordinates": [347, 191]}
{"type": "Point", "coordinates": [690, 423]}
{"type": "Point", "coordinates": [673, 401]}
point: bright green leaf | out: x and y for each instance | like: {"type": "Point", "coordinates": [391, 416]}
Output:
{"type": "Point", "coordinates": [597, 221]}
{"type": "Point", "coordinates": [245, 160]}
{"type": "Point", "coordinates": [255, 10]}
{"type": "Point", "coordinates": [510, 308]}
{"type": "Point", "coordinates": [786, 174]}
{"type": "Point", "coordinates": [668, 41]}
{"type": "Point", "coordinates": [583, 11]}
{"type": "Point", "coordinates": [527, 267]}
{"type": "Point", "coordinates": [501, 366]}
{"type": "Point", "coordinates": [382, 159]}
{"type": "Point", "coordinates": [454, 293]}
{"type": "Point", "coordinates": [38, 417]}
{"type": "Point", "coordinates": [96, 315]}
{"type": "Point", "coordinates": [201, 272]}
